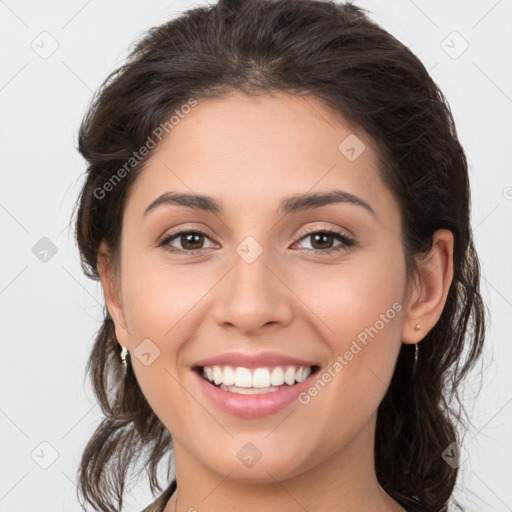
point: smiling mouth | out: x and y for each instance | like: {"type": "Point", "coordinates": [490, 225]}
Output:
{"type": "Point", "coordinates": [253, 381]}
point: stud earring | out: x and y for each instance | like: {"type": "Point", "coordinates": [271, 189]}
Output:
{"type": "Point", "coordinates": [417, 327]}
{"type": "Point", "coordinates": [124, 353]}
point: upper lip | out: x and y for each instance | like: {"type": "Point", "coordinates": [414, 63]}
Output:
{"type": "Point", "coordinates": [253, 360]}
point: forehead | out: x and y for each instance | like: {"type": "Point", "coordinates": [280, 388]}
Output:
{"type": "Point", "coordinates": [251, 151]}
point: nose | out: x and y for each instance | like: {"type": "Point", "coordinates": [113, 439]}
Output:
{"type": "Point", "coordinates": [253, 296]}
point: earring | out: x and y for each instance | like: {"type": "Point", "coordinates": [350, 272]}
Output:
{"type": "Point", "coordinates": [124, 353]}
{"type": "Point", "coordinates": [416, 349]}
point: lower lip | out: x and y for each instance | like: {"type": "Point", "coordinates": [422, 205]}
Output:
{"type": "Point", "coordinates": [251, 406]}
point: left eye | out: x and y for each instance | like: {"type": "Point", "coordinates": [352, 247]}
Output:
{"type": "Point", "coordinates": [192, 241]}
{"type": "Point", "coordinates": [325, 237]}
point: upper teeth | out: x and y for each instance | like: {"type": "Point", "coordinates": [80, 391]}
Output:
{"type": "Point", "coordinates": [257, 377]}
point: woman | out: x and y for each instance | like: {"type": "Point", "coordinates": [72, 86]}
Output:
{"type": "Point", "coordinates": [277, 207]}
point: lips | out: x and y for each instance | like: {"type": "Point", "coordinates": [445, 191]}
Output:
{"type": "Point", "coordinates": [236, 382]}
{"type": "Point", "coordinates": [262, 359]}
{"type": "Point", "coordinates": [253, 402]}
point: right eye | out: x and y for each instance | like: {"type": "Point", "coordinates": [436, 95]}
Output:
{"type": "Point", "coordinates": [190, 241]}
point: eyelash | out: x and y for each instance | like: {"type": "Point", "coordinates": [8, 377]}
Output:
{"type": "Point", "coordinates": [346, 242]}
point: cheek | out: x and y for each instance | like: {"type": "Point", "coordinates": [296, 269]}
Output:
{"type": "Point", "coordinates": [160, 305]}
{"type": "Point", "coordinates": [357, 308]}
{"type": "Point", "coordinates": [164, 304]}
{"type": "Point", "coordinates": [159, 297]}
{"type": "Point", "coordinates": [355, 295]}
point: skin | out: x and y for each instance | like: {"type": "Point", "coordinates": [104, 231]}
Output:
{"type": "Point", "coordinates": [249, 153]}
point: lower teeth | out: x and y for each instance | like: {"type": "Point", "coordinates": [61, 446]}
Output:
{"type": "Point", "coordinates": [250, 391]}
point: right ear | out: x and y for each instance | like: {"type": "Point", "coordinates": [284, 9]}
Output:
{"type": "Point", "coordinates": [112, 293]}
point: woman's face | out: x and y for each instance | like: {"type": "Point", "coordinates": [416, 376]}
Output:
{"type": "Point", "coordinates": [263, 282]}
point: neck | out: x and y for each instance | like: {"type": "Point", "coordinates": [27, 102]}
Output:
{"type": "Point", "coordinates": [345, 481]}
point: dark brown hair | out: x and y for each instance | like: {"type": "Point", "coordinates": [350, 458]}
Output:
{"type": "Point", "coordinates": [337, 54]}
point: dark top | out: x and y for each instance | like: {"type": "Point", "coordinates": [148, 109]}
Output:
{"type": "Point", "coordinates": [159, 504]}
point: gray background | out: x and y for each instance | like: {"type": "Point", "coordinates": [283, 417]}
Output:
{"type": "Point", "coordinates": [50, 312]}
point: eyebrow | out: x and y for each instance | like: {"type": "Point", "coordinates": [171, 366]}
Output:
{"type": "Point", "coordinates": [295, 203]}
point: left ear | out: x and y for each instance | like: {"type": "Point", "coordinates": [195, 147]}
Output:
{"type": "Point", "coordinates": [428, 294]}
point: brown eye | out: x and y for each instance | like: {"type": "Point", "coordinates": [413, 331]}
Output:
{"type": "Point", "coordinates": [322, 241]}
{"type": "Point", "coordinates": [190, 241]}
